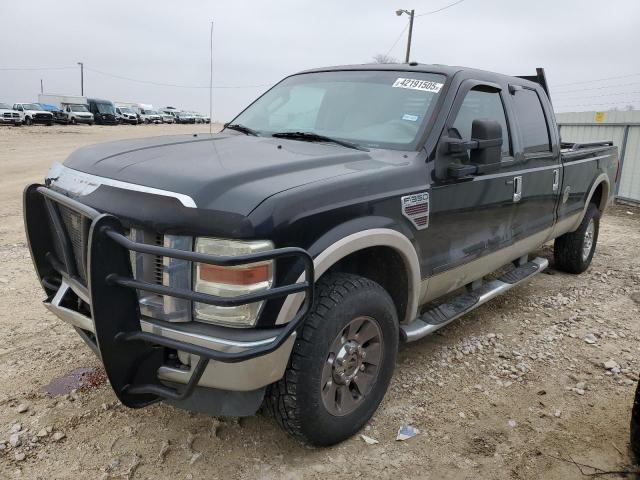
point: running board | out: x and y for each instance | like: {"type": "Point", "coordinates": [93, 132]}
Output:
{"type": "Point", "coordinates": [442, 315]}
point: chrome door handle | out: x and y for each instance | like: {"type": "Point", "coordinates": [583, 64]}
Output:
{"type": "Point", "coordinates": [517, 188]}
{"type": "Point", "coordinates": [556, 179]}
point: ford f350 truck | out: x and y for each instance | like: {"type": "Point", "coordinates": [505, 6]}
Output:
{"type": "Point", "coordinates": [283, 260]}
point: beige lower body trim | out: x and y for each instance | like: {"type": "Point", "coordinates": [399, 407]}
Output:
{"type": "Point", "coordinates": [445, 282]}
{"type": "Point", "coordinates": [565, 225]}
{"type": "Point", "coordinates": [376, 237]}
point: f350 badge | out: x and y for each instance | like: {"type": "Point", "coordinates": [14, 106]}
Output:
{"type": "Point", "coordinates": [416, 208]}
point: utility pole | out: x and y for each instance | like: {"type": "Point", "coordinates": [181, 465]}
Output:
{"type": "Point", "coordinates": [41, 87]}
{"type": "Point", "coordinates": [211, 78]}
{"type": "Point", "coordinates": [409, 39]}
{"type": "Point", "coordinates": [81, 78]}
{"type": "Point", "coordinates": [411, 15]}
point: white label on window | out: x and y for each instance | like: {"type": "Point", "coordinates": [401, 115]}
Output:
{"type": "Point", "coordinates": [415, 84]}
{"type": "Point", "coordinates": [411, 118]}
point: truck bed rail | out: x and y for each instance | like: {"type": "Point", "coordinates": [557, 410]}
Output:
{"type": "Point", "coordinates": [583, 145]}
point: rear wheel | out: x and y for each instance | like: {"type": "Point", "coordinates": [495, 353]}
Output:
{"type": "Point", "coordinates": [574, 251]}
{"type": "Point", "coordinates": [341, 364]}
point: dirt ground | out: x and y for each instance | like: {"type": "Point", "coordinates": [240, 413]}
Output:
{"type": "Point", "coordinates": [515, 390]}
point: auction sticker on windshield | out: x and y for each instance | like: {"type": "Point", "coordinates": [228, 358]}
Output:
{"type": "Point", "coordinates": [415, 84]}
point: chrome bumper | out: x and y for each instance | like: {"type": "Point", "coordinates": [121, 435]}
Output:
{"type": "Point", "coordinates": [241, 376]}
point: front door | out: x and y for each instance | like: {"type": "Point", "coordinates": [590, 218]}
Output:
{"type": "Point", "coordinates": [470, 217]}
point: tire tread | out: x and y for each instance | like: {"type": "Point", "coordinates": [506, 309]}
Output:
{"type": "Point", "coordinates": [281, 397]}
{"type": "Point", "coordinates": [567, 248]}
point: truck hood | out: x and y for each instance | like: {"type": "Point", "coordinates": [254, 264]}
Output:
{"type": "Point", "coordinates": [37, 111]}
{"type": "Point", "coordinates": [225, 172]}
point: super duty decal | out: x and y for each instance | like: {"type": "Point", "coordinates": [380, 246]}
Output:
{"type": "Point", "coordinates": [416, 208]}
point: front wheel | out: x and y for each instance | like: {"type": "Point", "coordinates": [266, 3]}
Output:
{"type": "Point", "coordinates": [574, 251]}
{"type": "Point", "coordinates": [27, 121]}
{"type": "Point", "coordinates": [341, 364]}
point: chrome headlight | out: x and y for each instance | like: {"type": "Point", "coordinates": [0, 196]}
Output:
{"type": "Point", "coordinates": [231, 281]}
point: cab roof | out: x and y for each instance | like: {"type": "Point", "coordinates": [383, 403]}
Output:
{"type": "Point", "coordinates": [448, 70]}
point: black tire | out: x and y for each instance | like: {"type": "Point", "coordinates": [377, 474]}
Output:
{"type": "Point", "coordinates": [570, 249]}
{"type": "Point", "coordinates": [297, 401]}
{"type": "Point", "coordinates": [27, 121]}
{"type": "Point", "coordinates": [635, 427]}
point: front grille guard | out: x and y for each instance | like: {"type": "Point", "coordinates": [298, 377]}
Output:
{"type": "Point", "coordinates": [130, 356]}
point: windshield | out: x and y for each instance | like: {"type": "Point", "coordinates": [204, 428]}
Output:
{"type": "Point", "coordinates": [370, 108]}
{"type": "Point", "coordinates": [78, 108]}
{"type": "Point", "coordinates": [126, 110]}
{"type": "Point", "coordinates": [31, 106]}
{"type": "Point", "coordinates": [152, 112]}
{"type": "Point", "coordinates": [105, 108]}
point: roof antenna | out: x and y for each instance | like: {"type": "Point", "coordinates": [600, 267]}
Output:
{"type": "Point", "coordinates": [211, 79]}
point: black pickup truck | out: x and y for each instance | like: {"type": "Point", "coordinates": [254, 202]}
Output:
{"type": "Point", "coordinates": [283, 260]}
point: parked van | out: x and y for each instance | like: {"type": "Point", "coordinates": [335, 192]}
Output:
{"type": "Point", "coordinates": [104, 113]}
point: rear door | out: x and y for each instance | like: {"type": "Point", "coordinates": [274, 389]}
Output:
{"type": "Point", "coordinates": [537, 161]}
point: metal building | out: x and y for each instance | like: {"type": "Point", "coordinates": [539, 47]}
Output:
{"type": "Point", "coordinates": [621, 127]}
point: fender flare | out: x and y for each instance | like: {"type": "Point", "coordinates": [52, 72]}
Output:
{"type": "Point", "coordinates": [375, 237]}
{"type": "Point", "coordinates": [602, 179]}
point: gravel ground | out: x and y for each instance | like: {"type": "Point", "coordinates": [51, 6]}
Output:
{"type": "Point", "coordinates": [531, 385]}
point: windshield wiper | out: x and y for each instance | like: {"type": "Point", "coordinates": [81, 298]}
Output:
{"type": "Point", "coordinates": [314, 137]}
{"type": "Point", "coordinates": [241, 128]}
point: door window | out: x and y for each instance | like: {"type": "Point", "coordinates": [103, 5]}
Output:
{"type": "Point", "coordinates": [482, 104]}
{"type": "Point", "coordinates": [532, 122]}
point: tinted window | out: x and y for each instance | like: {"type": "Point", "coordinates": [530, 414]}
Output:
{"type": "Point", "coordinates": [535, 135]}
{"type": "Point", "coordinates": [482, 104]}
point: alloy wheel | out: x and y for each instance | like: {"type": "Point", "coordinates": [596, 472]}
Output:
{"type": "Point", "coordinates": [587, 244]}
{"type": "Point", "coordinates": [352, 366]}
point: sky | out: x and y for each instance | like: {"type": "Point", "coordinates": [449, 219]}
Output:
{"type": "Point", "coordinates": [588, 48]}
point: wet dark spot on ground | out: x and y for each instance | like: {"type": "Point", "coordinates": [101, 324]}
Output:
{"type": "Point", "coordinates": [486, 443]}
{"type": "Point", "coordinates": [80, 379]}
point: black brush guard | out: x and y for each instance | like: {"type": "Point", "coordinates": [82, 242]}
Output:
{"type": "Point", "coordinates": [131, 357]}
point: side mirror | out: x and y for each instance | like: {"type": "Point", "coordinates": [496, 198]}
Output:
{"type": "Point", "coordinates": [485, 149]}
{"type": "Point", "coordinates": [488, 134]}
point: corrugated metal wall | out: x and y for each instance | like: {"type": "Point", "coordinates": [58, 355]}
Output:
{"type": "Point", "coordinates": [621, 127]}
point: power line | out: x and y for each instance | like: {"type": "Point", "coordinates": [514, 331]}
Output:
{"type": "Point", "coordinates": [174, 85]}
{"type": "Point", "coordinates": [629, 102]}
{"type": "Point", "coordinates": [596, 88]}
{"type": "Point", "coordinates": [596, 80]}
{"type": "Point", "coordinates": [441, 9]}
{"type": "Point", "coordinates": [36, 68]}
{"type": "Point", "coordinates": [581, 97]}
{"type": "Point", "coordinates": [397, 39]}
{"type": "Point", "coordinates": [421, 15]}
